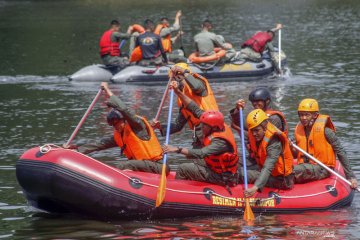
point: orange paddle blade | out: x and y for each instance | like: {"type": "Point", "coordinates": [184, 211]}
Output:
{"type": "Point", "coordinates": [248, 213]}
{"type": "Point", "coordinates": [162, 187]}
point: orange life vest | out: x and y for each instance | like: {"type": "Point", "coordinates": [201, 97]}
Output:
{"type": "Point", "coordinates": [206, 103]}
{"type": "Point", "coordinates": [316, 143]}
{"type": "Point", "coordinates": [107, 46]}
{"type": "Point", "coordinates": [225, 162]}
{"type": "Point", "coordinates": [284, 164]}
{"type": "Point", "coordinates": [271, 112]}
{"type": "Point", "coordinates": [166, 41]}
{"type": "Point", "coordinates": [137, 149]}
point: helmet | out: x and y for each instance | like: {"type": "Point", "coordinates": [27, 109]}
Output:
{"type": "Point", "coordinates": [182, 65]}
{"type": "Point", "coordinates": [308, 105]}
{"type": "Point", "coordinates": [113, 115]}
{"type": "Point", "coordinates": [259, 94]}
{"type": "Point", "coordinates": [213, 119]}
{"type": "Point", "coordinates": [255, 118]}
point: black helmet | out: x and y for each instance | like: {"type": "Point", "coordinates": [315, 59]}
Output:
{"type": "Point", "coordinates": [259, 94]}
{"type": "Point", "coordinates": [113, 115]}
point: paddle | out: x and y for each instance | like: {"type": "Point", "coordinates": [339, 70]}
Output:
{"type": "Point", "coordinates": [181, 40]}
{"type": "Point", "coordinates": [162, 186]}
{"type": "Point", "coordinates": [248, 213]}
{"type": "Point", "coordinates": [280, 51]}
{"type": "Point", "coordinates": [122, 43]}
{"type": "Point", "coordinates": [162, 101]}
{"type": "Point", "coordinates": [321, 164]}
{"type": "Point", "coordinates": [83, 119]}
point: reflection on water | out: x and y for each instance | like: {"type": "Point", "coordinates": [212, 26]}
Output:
{"type": "Point", "coordinates": [320, 39]}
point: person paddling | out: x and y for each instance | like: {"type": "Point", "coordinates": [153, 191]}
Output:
{"type": "Point", "coordinates": [110, 43]}
{"type": "Point", "coordinates": [253, 48]}
{"type": "Point", "coordinates": [271, 150]}
{"type": "Point", "coordinates": [217, 160]}
{"type": "Point", "coordinates": [198, 89]}
{"type": "Point", "coordinates": [132, 134]}
{"type": "Point", "coordinates": [315, 133]}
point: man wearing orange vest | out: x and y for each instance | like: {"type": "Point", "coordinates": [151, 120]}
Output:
{"type": "Point", "coordinates": [315, 133]}
{"type": "Point", "coordinates": [216, 161]}
{"type": "Point", "coordinates": [110, 43]}
{"type": "Point", "coordinates": [165, 30]}
{"type": "Point", "coordinates": [197, 88]}
{"type": "Point", "coordinates": [132, 134]}
{"type": "Point", "coordinates": [253, 48]}
{"type": "Point", "coordinates": [271, 150]}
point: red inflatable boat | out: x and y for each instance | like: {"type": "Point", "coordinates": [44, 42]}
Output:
{"type": "Point", "coordinates": [64, 181]}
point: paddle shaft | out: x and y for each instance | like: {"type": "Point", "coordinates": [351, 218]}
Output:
{"type": "Point", "coordinates": [181, 40]}
{"type": "Point", "coordinates": [162, 102]}
{"type": "Point", "coordinates": [243, 146]}
{"type": "Point", "coordinates": [279, 49]}
{"type": "Point", "coordinates": [83, 118]}
{"type": "Point", "coordinates": [321, 164]}
{"type": "Point", "coordinates": [167, 138]}
{"type": "Point", "coordinates": [122, 43]}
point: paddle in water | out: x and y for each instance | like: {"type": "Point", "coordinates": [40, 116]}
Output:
{"type": "Point", "coordinates": [67, 144]}
{"type": "Point", "coordinates": [248, 213]}
{"type": "Point", "coordinates": [162, 186]}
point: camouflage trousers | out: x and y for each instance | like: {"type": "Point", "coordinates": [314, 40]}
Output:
{"type": "Point", "coordinates": [120, 62]}
{"type": "Point", "coordinates": [279, 182]}
{"type": "Point", "coordinates": [199, 171]}
{"type": "Point", "coordinates": [307, 172]}
{"type": "Point", "coordinates": [143, 166]}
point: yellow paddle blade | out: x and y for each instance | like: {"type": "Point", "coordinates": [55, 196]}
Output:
{"type": "Point", "coordinates": [248, 214]}
{"type": "Point", "coordinates": [162, 187]}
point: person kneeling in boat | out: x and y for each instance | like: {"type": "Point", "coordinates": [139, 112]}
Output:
{"type": "Point", "coordinates": [253, 48]}
{"type": "Point", "coordinates": [206, 42]}
{"type": "Point", "coordinates": [151, 48]}
{"type": "Point", "coordinates": [164, 30]}
{"type": "Point", "coordinates": [198, 89]}
{"type": "Point", "coordinates": [216, 162]}
{"type": "Point", "coordinates": [315, 133]}
{"type": "Point", "coordinates": [271, 150]}
{"type": "Point", "coordinates": [110, 46]}
{"type": "Point", "coordinates": [133, 134]}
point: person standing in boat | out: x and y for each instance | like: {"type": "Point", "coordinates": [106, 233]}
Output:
{"type": "Point", "coordinates": [206, 41]}
{"type": "Point", "coordinates": [132, 134]}
{"type": "Point", "coordinates": [315, 133]}
{"type": "Point", "coordinates": [198, 89]}
{"type": "Point", "coordinates": [152, 51]}
{"type": "Point", "coordinates": [165, 30]}
{"type": "Point", "coordinates": [253, 48]}
{"type": "Point", "coordinates": [271, 150]}
{"type": "Point", "coordinates": [110, 46]}
{"type": "Point", "coordinates": [217, 160]}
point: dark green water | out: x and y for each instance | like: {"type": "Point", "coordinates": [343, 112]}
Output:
{"type": "Point", "coordinates": [44, 41]}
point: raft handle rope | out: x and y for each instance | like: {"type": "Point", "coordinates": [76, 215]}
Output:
{"type": "Point", "coordinates": [52, 147]}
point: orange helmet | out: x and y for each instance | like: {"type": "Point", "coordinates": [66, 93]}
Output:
{"type": "Point", "coordinates": [213, 119]}
{"type": "Point", "coordinates": [255, 118]}
{"type": "Point", "coordinates": [308, 105]}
